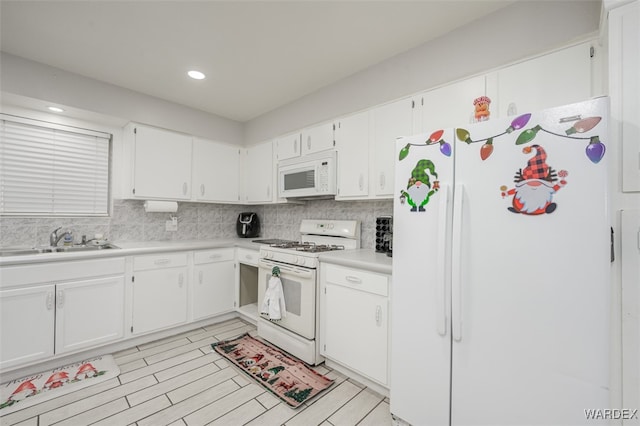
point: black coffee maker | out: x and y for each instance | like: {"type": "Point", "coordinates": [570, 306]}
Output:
{"type": "Point", "coordinates": [248, 225]}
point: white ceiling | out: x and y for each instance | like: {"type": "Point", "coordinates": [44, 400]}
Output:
{"type": "Point", "coordinates": [258, 55]}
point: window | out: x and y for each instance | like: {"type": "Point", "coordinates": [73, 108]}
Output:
{"type": "Point", "coordinates": [53, 170]}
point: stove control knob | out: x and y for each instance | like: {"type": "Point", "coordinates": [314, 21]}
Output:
{"type": "Point", "coordinates": [301, 261]}
{"type": "Point", "coordinates": [269, 255]}
{"type": "Point", "coordinates": [296, 259]}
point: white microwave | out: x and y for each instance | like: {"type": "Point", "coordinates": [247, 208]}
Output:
{"type": "Point", "coordinates": [312, 175]}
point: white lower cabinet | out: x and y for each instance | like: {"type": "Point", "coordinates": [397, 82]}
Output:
{"type": "Point", "coordinates": [214, 282]}
{"type": "Point", "coordinates": [354, 315]}
{"type": "Point", "coordinates": [100, 299]}
{"type": "Point", "coordinates": [159, 292]}
{"type": "Point", "coordinates": [49, 309]}
{"type": "Point", "coordinates": [27, 328]}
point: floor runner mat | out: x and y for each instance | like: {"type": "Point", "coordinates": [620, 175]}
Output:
{"type": "Point", "coordinates": [36, 388]}
{"type": "Point", "coordinates": [285, 376]}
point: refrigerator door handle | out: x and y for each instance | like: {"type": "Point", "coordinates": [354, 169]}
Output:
{"type": "Point", "coordinates": [441, 297]}
{"type": "Point", "coordinates": [456, 260]}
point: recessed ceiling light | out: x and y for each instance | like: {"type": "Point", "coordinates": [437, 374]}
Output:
{"type": "Point", "coordinates": [55, 109]}
{"type": "Point", "coordinates": [196, 75]}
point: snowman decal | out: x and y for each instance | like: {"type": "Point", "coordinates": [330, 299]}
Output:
{"type": "Point", "coordinates": [535, 185]}
{"type": "Point", "coordinates": [419, 189]}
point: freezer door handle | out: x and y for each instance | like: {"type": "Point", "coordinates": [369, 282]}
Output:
{"type": "Point", "coordinates": [441, 296]}
{"type": "Point", "coordinates": [456, 264]}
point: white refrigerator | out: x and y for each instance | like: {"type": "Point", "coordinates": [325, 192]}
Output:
{"type": "Point", "coordinates": [501, 271]}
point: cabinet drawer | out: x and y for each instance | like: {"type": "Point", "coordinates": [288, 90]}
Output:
{"type": "Point", "coordinates": [250, 257]}
{"type": "Point", "coordinates": [357, 279]}
{"type": "Point", "coordinates": [209, 256]}
{"type": "Point", "coordinates": [60, 271]}
{"type": "Point", "coordinates": [156, 261]}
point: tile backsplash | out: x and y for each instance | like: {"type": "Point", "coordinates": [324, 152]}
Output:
{"type": "Point", "coordinates": [129, 222]}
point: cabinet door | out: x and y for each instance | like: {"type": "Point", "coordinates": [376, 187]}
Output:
{"type": "Point", "coordinates": [214, 289]}
{"type": "Point", "coordinates": [89, 313]}
{"type": "Point", "coordinates": [556, 79]}
{"type": "Point", "coordinates": [288, 146]}
{"type": "Point", "coordinates": [389, 122]}
{"type": "Point", "coordinates": [162, 164]}
{"type": "Point", "coordinates": [27, 327]}
{"type": "Point", "coordinates": [624, 68]}
{"type": "Point", "coordinates": [352, 144]}
{"type": "Point", "coordinates": [356, 330]}
{"type": "Point", "coordinates": [451, 105]}
{"type": "Point", "coordinates": [216, 171]}
{"type": "Point", "coordinates": [317, 138]}
{"type": "Point", "coordinates": [159, 299]}
{"type": "Point", "coordinates": [258, 173]}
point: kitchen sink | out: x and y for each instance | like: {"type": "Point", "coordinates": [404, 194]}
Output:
{"type": "Point", "coordinates": [61, 249]}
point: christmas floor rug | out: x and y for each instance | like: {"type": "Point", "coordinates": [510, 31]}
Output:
{"type": "Point", "coordinates": [286, 377]}
{"type": "Point", "coordinates": [36, 388]}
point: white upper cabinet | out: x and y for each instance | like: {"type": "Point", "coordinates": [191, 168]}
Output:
{"type": "Point", "coordinates": [213, 165]}
{"type": "Point", "coordinates": [451, 105]}
{"type": "Point", "coordinates": [624, 68]}
{"type": "Point", "coordinates": [559, 78]}
{"type": "Point", "coordinates": [257, 173]}
{"type": "Point", "coordinates": [352, 144]}
{"type": "Point", "coordinates": [317, 138]}
{"type": "Point", "coordinates": [388, 122]}
{"type": "Point", "coordinates": [161, 163]}
{"type": "Point", "coordinates": [287, 146]}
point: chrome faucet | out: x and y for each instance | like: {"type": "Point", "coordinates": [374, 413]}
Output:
{"type": "Point", "coordinates": [54, 238]}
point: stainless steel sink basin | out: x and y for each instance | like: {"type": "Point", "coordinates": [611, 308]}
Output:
{"type": "Point", "coordinates": [61, 249]}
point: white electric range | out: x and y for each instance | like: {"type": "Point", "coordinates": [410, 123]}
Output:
{"type": "Point", "coordinates": [298, 262]}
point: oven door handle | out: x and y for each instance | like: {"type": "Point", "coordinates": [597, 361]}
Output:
{"type": "Point", "coordinates": [284, 268]}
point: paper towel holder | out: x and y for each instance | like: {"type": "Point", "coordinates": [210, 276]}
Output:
{"type": "Point", "coordinates": [151, 206]}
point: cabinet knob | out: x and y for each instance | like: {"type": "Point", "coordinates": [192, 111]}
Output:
{"type": "Point", "coordinates": [185, 187]}
{"type": "Point", "coordinates": [202, 189]}
{"type": "Point", "coordinates": [378, 315]}
{"type": "Point", "coordinates": [382, 180]}
{"type": "Point", "coordinates": [295, 146]}
{"type": "Point", "coordinates": [180, 280]}
{"type": "Point", "coordinates": [309, 141]}
{"type": "Point", "coordinates": [200, 277]}
{"type": "Point", "coordinates": [361, 182]}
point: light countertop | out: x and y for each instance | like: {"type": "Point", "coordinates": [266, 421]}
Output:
{"type": "Point", "coordinates": [367, 259]}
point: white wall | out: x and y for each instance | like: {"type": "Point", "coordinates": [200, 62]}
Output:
{"type": "Point", "coordinates": [525, 29]}
{"type": "Point", "coordinates": [20, 77]}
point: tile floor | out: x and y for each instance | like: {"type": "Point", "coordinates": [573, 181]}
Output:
{"type": "Point", "coordinates": [180, 381]}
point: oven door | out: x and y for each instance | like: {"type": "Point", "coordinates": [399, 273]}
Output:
{"type": "Point", "coordinates": [299, 288]}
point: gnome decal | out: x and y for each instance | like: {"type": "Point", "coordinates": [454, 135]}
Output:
{"type": "Point", "coordinates": [419, 189]}
{"type": "Point", "coordinates": [535, 185]}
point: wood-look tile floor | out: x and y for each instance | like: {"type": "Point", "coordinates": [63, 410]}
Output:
{"type": "Point", "coordinates": [179, 380]}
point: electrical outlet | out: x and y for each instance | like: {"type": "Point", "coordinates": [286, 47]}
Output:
{"type": "Point", "coordinates": [171, 225]}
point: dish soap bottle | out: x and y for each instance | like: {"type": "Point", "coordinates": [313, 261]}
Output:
{"type": "Point", "coordinates": [68, 238]}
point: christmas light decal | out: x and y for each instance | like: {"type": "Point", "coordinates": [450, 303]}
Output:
{"type": "Point", "coordinates": [518, 123]}
{"type": "Point", "coordinates": [434, 139]}
{"type": "Point", "coordinates": [595, 149]}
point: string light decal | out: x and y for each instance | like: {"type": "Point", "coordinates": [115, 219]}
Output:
{"type": "Point", "coordinates": [434, 139]}
{"type": "Point", "coordinates": [487, 149]}
{"type": "Point", "coordinates": [595, 149]}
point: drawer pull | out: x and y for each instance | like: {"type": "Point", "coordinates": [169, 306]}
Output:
{"type": "Point", "coordinates": [249, 257]}
{"type": "Point", "coordinates": [215, 256]}
{"type": "Point", "coordinates": [161, 261]}
{"type": "Point", "coordinates": [353, 279]}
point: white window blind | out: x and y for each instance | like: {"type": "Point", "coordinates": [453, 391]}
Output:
{"type": "Point", "coordinates": [46, 169]}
